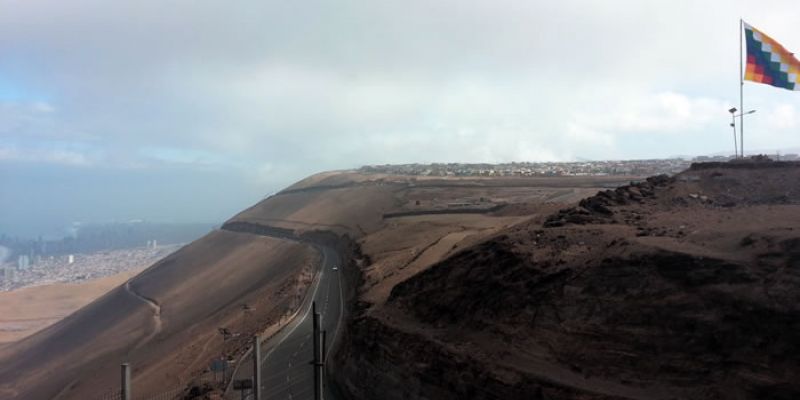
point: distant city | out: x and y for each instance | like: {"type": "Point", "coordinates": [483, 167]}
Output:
{"type": "Point", "coordinates": [578, 168]}
{"type": "Point", "coordinates": [76, 268]}
{"type": "Point", "coordinates": [90, 251]}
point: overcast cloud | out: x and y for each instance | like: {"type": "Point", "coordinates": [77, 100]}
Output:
{"type": "Point", "coordinates": [192, 110]}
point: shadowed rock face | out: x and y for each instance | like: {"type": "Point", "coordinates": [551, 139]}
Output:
{"type": "Point", "coordinates": [661, 319]}
{"type": "Point", "coordinates": [693, 299]}
{"type": "Point", "coordinates": [682, 317]}
{"type": "Point", "coordinates": [596, 209]}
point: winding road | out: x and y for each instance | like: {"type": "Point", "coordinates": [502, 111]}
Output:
{"type": "Point", "coordinates": [287, 373]}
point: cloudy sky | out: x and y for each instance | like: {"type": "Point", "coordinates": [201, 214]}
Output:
{"type": "Point", "coordinates": [192, 110]}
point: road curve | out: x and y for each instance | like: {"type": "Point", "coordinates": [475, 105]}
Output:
{"type": "Point", "coordinates": [287, 373]}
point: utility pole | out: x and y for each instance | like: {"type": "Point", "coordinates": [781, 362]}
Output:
{"type": "Point", "coordinates": [256, 368]}
{"type": "Point", "coordinates": [324, 346]}
{"type": "Point", "coordinates": [741, 115]}
{"type": "Point", "coordinates": [318, 363]}
{"type": "Point", "coordinates": [733, 125]}
{"type": "Point", "coordinates": [246, 310]}
{"type": "Point", "coordinates": [125, 388]}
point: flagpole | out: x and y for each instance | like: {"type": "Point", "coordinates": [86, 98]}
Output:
{"type": "Point", "coordinates": [741, 88]}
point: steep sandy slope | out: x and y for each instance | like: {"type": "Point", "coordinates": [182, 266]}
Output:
{"type": "Point", "coordinates": [671, 288]}
{"type": "Point", "coordinates": [351, 210]}
{"type": "Point", "coordinates": [164, 321]}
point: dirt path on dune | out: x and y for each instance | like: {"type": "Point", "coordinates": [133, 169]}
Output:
{"type": "Point", "coordinates": [156, 314]}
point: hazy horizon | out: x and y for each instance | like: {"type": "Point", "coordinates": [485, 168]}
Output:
{"type": "Point", "coordinates": [192, 111]}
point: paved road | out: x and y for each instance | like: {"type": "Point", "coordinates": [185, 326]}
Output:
{"type": "Point", "coordinates": [287, 373]}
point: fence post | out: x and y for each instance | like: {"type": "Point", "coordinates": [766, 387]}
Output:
{"type": "Point", "coordinates": [256, 368]}
{"type": "Point", "coordinates": [126, 382]}
{"type": "Point", "coordinates": [317, 341]}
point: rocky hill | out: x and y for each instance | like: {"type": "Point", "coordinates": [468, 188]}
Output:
{"type": "Point", "coordinates": [684, 287]}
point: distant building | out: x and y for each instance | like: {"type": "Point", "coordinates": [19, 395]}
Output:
{"type": "Point", "coordinates": [23, 262]}
{"type": "Point", "coordinates": [9, 274]}
{"type": "Point", "coordinates": [70, 259]}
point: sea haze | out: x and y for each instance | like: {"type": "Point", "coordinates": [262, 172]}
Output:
{"type": "Point", "coordinates": [45, 200]}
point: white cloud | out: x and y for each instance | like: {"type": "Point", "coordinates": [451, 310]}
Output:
{"type": "Point", "coordinates": [186, 155]}
{"type": "Point", "coordinates": [583, 133]}
{"type": "Point", "coordinates": [665, 112]}
{"type": "Point", "coordinates": [783, 116]}
{"type": "Point", "coordinates": [43, 107]}
{"type": "Point", "coordinates": [58, 157]}
{"type": "Point", "coordinates": [283, 83]}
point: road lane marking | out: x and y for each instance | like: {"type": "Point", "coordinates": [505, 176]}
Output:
{"type": "Point", "coordinates": [308, 309]}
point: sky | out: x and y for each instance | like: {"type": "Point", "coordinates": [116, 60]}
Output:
{"type": "Point", "coordinates": [189, 111]}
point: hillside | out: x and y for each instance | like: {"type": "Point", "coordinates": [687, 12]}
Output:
{"type": "Point", "coordinates": [683, 287]}
{"type": "Point", "coordinates": [165, 320]}
{"type": "Point", "coordinates": [28, 310]}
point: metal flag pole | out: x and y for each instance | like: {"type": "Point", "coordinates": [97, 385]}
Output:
{"type": "Point", "coordinates": [741, 87]}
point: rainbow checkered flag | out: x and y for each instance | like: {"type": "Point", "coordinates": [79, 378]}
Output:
{"type": "Point", "coordinates": [768, 62]}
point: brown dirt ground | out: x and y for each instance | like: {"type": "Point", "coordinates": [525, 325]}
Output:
{"type": "Point", "coordinates": [683, 288]}
{"type": "Point", "coordinates": [28, 310]}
